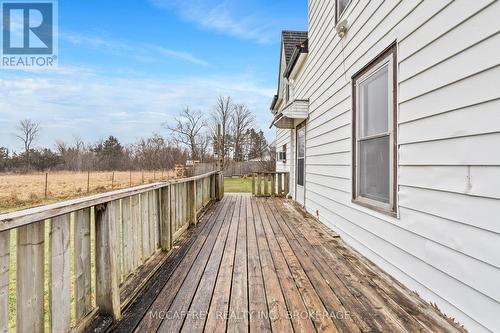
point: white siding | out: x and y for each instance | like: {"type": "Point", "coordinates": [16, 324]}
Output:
{"type": "Point", "coordinates": [445, 243]}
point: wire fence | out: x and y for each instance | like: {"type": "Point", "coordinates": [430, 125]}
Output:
{"type": "Point", "coordinates": [24, 190]}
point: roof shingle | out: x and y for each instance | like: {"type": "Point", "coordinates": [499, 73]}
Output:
{"type": "Point", "coordinates": [290, 41]}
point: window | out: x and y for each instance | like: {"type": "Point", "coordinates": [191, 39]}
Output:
{"type": "Point", "coordinates": [374, 134]}
{"type": "Point", "coordinates": [301, 153]}
{"type": "Point", "coordinates": [282, 154]}
{"type": "Point", "coordinates": [340, 8]}
{"type": "Point", "coordinates": [287, 92]}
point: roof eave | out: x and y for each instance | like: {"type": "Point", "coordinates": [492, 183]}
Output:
{"type": "Point", "coordinates": [300, 49]}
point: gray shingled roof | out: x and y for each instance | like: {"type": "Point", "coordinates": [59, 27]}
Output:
{"type": "Point", "coordinates": [290, 40]}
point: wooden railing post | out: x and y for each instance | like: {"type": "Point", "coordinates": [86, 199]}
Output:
{"type": "Point", "coordinates": [287, 181]}
{"type": "Point", "coordinates": [212, 187]}
{"type": "Point", "coordinates": [259, 185]}
{"type": "Point", "coordinates": [128, 241]}
{"type": "Point", "coordinates": [145, 225]}
{"type": "Point", "coordinates": [106, 264]}
{"type": "Point", "coordinates": [4, 280]}
{"type": "Point", "coordinates": [83, 297]}
{"type": "Point", "coordinates": [253, 183]}
{"type": "Point", "coordinates": [59, 278]}
{"type": "Point", "coordinates": [220, 186]}
{"type": "Point", "coordinates": [165, 228]}
{"type": "Point", "coordinates": [266, 185]}
{"type": "Point", "coordinates": [30, 277]}
{"type": "Point", "coordinates": [154, 240]}
{"type": "Point", "coordinates": [135, 231]}
{"type": "Point", "coordinates": [273, 184]}
{"type": "Point", "coordinates": [193, 200]}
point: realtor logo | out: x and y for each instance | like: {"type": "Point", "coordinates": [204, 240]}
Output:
{"type": "Point", "coordinates": [29, 34]}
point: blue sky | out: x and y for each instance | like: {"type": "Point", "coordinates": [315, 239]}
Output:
{"type": "Point", "coordinates": [126, 67]}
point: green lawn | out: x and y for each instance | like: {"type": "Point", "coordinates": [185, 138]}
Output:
{"type": "Point", "coordinates": [237, 185]}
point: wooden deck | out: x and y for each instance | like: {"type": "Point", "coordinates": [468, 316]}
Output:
{"type": "Point", "coordinates": [261, 265]}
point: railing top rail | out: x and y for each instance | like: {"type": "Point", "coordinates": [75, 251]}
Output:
{"type": "Point", "coordinates": [270, 172]}
{"type": "Point", "coordinates": [31, 215]}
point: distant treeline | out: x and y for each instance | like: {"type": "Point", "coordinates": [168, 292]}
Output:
{"type": "Point", "coordinates": [152, 153]}
{"type": "Point", "coordinates": [192, 136]}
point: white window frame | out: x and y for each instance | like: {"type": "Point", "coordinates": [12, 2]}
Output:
{"type": "Point", "coordinates": [388, 62]}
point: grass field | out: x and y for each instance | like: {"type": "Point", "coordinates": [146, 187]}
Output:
{"type": "Point", "coordinates": [19, 191]}
{"type": "Point", "coordinates": [237, 185]}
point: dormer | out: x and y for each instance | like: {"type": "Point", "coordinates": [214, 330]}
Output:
{"type": "Point", "coordinates": [294, 50]}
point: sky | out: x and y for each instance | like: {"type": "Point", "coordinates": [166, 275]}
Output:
{"type": "Point", "coordinates": [127, 67]}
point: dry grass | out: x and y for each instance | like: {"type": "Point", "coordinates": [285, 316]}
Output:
{"type": "Point", "coordinates": [19, 191]}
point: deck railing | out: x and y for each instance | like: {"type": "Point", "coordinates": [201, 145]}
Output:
{"type": "Point", "coordinates": [120, 235]}
{"type": "Point", "coordinates": [270, 184]}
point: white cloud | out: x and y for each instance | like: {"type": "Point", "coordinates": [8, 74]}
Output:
{"type": "Point", "coordinates": [144, 52]}
{"type": "Point", "coordinates": [225, 19]}
{"type": "Point", "coordinates": [92, 104]}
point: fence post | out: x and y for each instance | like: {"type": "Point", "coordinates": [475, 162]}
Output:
{"type": "Point", "coordinates": [106, 264]}
{"type": "Point", "coordinates": [88, 181]}
{"type": "Point", "coordinates": [130, 176]}
{"type": "Point", "coordinates": [46, 183]}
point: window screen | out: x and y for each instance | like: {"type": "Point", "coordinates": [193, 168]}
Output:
{"type": "Point", "coordinates": [373, 168]}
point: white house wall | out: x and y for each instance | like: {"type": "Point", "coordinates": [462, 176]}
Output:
{"type": "Point", "coordinates": [446, 242]}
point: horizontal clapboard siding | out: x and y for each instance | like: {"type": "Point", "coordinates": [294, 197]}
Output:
{"type": "Point", "coordinates": [446, 240]}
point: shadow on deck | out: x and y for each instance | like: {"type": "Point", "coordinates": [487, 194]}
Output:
{"type": "Point", "coordinates": [261, 265]}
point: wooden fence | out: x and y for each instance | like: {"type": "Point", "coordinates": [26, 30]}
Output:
{"type": "Point", "coordinates": [247, 168]}
{"type": "Point", "coordinates": [270, 184]}
{"type": "Point", "coordinates": [132, 231]}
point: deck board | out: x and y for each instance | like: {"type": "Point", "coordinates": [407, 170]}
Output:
{"type": "Point", "coordinates": [262, 265]}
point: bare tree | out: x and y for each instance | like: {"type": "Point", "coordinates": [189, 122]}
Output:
{"type": "Point", "coordinates": [242, 120]}
{"type": "Point", "coordinates": [189, 130]}
{"type": "Point", "coordinates": [222, 114]}
{"type": "Point", "coordinates": [27, 132]}
{"type": "Point", "coordinates": [204, 144]}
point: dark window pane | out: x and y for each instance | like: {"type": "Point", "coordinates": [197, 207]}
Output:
{"type": "Point", "coordinates": [341, 6]}
{"type": "Point", "coordinates": [300, 172]}
{"type": "Point", "coordinates": [374, 169]}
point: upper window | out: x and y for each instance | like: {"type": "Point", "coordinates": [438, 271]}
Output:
{"type": "Point", "coordinates": [287, 92]}
{"type": "Point", "coordinates": [340, 8]}
{"type": "Point", "coordinates": [374, 136]}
